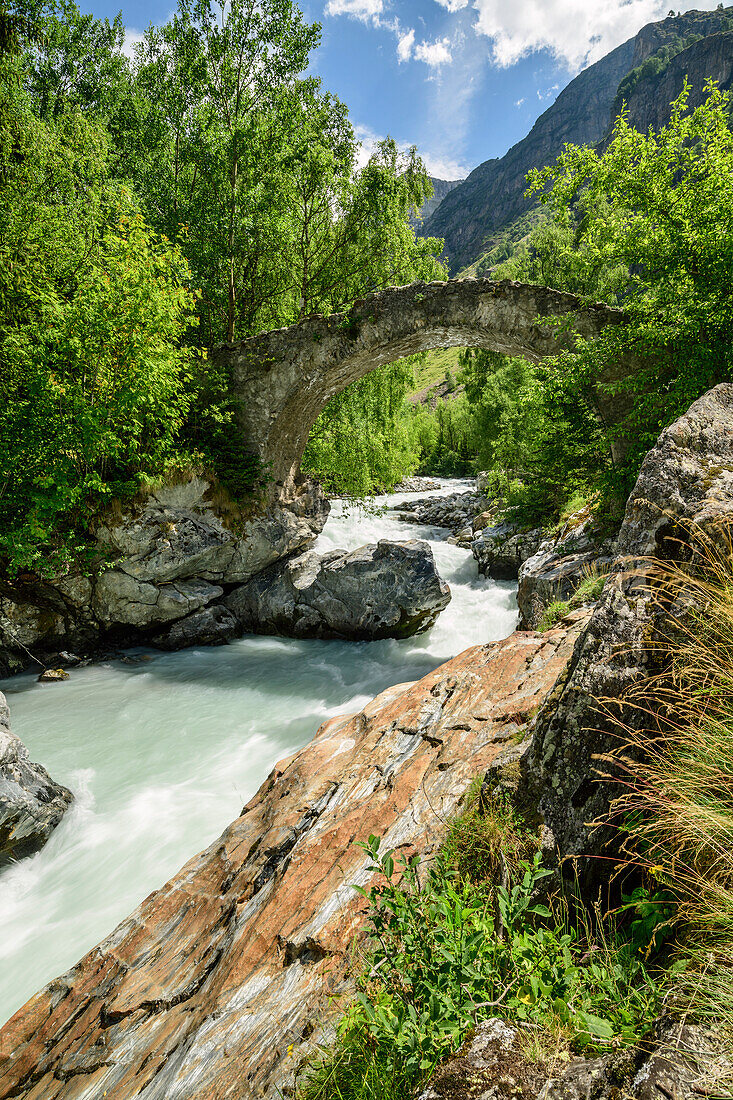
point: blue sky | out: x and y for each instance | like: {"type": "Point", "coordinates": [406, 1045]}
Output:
{"type": "Point", "coordinates": [462, 79]}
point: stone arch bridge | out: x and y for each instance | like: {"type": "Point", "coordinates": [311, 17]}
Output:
{"type": "Point", "coordinates": [282, 379]}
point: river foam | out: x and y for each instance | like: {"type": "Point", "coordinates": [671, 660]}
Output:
{"type": "Point", "coordinates": [162, 749]}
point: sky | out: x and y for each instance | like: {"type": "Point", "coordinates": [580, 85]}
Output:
{"type": "Point", "coordinates": [461, 79]}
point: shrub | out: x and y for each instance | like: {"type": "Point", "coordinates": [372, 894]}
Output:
{"type": "Point", "coordinates": [446, 952]}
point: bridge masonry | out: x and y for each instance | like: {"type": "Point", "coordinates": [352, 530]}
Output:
{"type": "Point", "coordinates": [281, 380]}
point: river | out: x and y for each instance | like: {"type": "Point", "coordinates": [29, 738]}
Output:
{"type": "Point", "coordinates": [162, 749]}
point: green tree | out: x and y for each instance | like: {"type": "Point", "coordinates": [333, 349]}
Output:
{"type": "Point", "coordinates": [74, 60]}
{"type": "Point", "coordinates": [658, 206]}
{"type": "Point", "coordinates": [213, 84]}
{"type": "Point", "coordinates": [92, 308]}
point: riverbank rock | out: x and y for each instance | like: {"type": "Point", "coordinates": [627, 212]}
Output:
{"type": "Point", "coordinates": [31, 803]}
{"type": "Point", "coordinates": [416, 485]}
{"type": "Point", "coordinates": [222, 982]}
{"type": "Point", "coordinates": [170, 559]}
{"type": "Point", "coordinates": [501, 549]}
{"type": "Point", "coordinates": [391, 590]}
{"type": "Point", "coordinates": [680, 1061]}
{"type": "Point", "coordinates": [212, 626]}
{"type": "Point", "coordinates": [580, 549]}
{"type": "Point", "coordinates": [685, 481]}
{"type": "Point", "coordinates": [455, 512]}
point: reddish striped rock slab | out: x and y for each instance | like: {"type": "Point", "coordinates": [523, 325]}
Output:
{"type": "Point", "coordinates": [221, 981]}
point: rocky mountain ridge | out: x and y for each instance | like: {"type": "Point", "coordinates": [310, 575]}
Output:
{"type": "Point", "coordinates": [492, 196]}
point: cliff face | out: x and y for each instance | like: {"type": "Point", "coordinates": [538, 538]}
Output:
{"type": "Point", "coordinates": [441, 188]}
{"type": "Point", "coordinates": [493, 194]}
{"type": "Point", "coordinates": [709, 59]}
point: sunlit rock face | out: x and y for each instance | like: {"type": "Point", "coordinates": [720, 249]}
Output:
{"type": "Point", "coordinates": [222, 982]}
{"type": "Point", "coordinates": [283, 379]}
{"type": "Point", "coordinates": [685, 485]}
{"type": "Point", "coordinates": [390, 590]}
{"type": "Point", "coordinates": [31, 803]}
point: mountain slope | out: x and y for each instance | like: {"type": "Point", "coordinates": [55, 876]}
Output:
{"type": "Point", "coordinates": [493, 194]}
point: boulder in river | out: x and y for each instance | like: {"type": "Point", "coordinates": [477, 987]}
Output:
{"type": "Point", "coordinates": [31, 803]}
{"type": "Point", "coordinates": [501, 549]}
{"type": "Point", "coordinates": [390, 590]}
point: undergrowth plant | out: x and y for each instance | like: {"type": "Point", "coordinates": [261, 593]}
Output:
{"type": "Point", "coordinates": [678, 811]}
{"type": "Point", "coordinates": [448, 949]}
{"type": "Point", "coordinates": [587, 591]}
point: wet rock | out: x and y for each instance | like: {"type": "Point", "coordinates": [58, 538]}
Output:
{"type": "Point", "coordinates": [31, 803]}
{"type": "Point", "coordinates": [391, 590]}
{"type": "Point", "coordinates": [52, 676]}
{"type": "Point", "coordinates": [501, 549]}
{"type": "Point", "coordinates": [416, 485]}
{"type": "Point", "coordinates": [222, 982]}
{"type": "Point", "coordinates": [211, 626]}
{"type": "Point", "coordinates": [456, 511]}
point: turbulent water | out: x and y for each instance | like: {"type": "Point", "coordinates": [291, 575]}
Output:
{"type": "Point", "coordinates": [162, 750]}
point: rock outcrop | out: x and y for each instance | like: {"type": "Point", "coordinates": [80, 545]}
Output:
{"type": "Point", "coordinates": [391, 590]}
{"type": "Point", "coordinates": [549, 566]}
{"type": "Point", "coordinates": [221, 982]}
{"type": "Point", "coordinates": [685, 482]}
{"type": "Point", "coordinates": [169, 561]}
{"type": "Point", "coordinates": [679, 1061]}
{"type": "Point", "coordinates": [560, 564]}
{"type": "Point", "coordinates": [31, 803]}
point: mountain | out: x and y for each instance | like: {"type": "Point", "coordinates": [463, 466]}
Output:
{"type": "Point", "coordinates": [440, 189]}
{"type": "Point", "coordinates": [647, 69]}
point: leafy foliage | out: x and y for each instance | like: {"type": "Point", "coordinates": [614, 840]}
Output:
{"type": "Point", "coordinates": [447, 952]}
{"type": "Point", "coordinates": [92, 307]}
{"type": "Point", "coordinates": [653, 204]}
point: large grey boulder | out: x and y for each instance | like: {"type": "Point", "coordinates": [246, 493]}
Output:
{"type": "Point", "coordinates": [391, 590]}
{"type": "Point", "coordinates": [685, 481]}
{"type": "Point", "coordinates": [31, 803]}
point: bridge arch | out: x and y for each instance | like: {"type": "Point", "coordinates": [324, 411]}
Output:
{"type": "Point", "coordinates": [282, 379]}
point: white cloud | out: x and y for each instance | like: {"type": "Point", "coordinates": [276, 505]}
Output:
{"type": "Point", "coordinates": [444, 168]}
{"type": "Point", "coordinates": [434, 53]}
{"type": "Point", "coordinates": [405, 42]}
{"type": "Point", "coordinates": [360, 9]}
{"type": "Point", "coordinates": [441, 167]}
{"type": "Point", "coordinates": [454, 5]}
{"type": "Point", "coordinates": [132, 37]}
{"type": "Point", "coordinates": [519, 102]}
{"type": "Point", "coordinates": [577, 32]}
